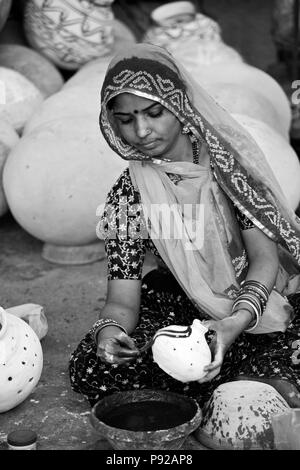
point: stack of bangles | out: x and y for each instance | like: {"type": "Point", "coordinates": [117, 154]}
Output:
{"type": "Point", "coordinates": [103, 323]}
{"type": "Point", "coordinates": [255, 295]}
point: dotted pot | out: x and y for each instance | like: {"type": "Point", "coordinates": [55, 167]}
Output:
{"type": "Point", "coordinates": [21, 360]}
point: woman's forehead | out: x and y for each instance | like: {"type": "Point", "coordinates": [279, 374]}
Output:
{"type": "Point", "coordinates": [130, 102]}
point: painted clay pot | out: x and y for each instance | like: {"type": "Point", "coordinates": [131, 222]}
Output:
{"type": "Point", "coordinates": [193, 38]}
{"type": "Point", "coordinates": [8, 139]}
{"type": "Point", "coordinates": [238, 416]}
{"type": "Point", "coordinates": [65, 168]}
{"type": "Point", "coordinates": [182, 357]}
{"type": "Point", "coordinates": [21, 360]}
{"type": "Point", "coordinates": [69, 32]}
{"type": "Point", "coordinates": [5, 6]}
{"type": "Point", "coordinates": [280, 155]}
{"type": "Point", "coordinates": [19, 98]}
{"type": "Point", "coordinates": [32, 65]}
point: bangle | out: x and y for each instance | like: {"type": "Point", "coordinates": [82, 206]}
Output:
{"type": "Point", "coordinates": [103, 323]}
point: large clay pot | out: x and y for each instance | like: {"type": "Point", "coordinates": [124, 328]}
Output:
{"type": "Point", "coordinates": [67, 103]}
{"type": "Point", "coordinates": [191, 37]}
{"type": "Point", "coordinates": [21, 360]}
{"type": "Point", "coordinates": [70, 32]}
{"type": "Point", "coordinates": [245, 75]}
{"type": "Point", "coordinates": [5, 6]}
{"type": "Point", "coordinates": [240, 99]}
{"type": "Point", "coordinates": [281, 157]}
{"type": "Point", "coordinates": [238, 416]}
{"type": "Point", "coordinates": [32, 65]}
{"type": "Point", "coordinates": [19, 98]}
{"type": "Point", "coordinates": [66, 169]}
{"type": "Point", "coordinates": [8, 139]}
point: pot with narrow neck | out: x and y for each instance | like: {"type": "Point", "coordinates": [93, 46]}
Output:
{"type": "Point", "coordinates": [182, 356]}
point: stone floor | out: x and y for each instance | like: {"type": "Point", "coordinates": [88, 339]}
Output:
{"type": "Point", "coordinates": [73, 295]}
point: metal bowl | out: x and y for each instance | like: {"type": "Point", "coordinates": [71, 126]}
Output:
{"type": "Point", "coordinates": [146, 419]}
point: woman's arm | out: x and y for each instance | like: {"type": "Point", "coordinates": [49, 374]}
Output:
{"type": "Point", "coordinates": [263, 267]}
{"type": "Point", "coordinates": [122, 305]}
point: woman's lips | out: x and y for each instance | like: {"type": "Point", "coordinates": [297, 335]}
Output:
{"type": "Point", "coordinates": [149, 145]}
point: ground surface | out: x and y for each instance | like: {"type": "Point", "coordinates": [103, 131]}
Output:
{"type": "Point", "coordinates": [73, 295]}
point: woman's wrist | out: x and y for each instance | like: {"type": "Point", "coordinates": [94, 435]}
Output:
{"type": "Point", "coordinates": [243, 317]}
{"type": "Point", "coordinates": [111, 326]}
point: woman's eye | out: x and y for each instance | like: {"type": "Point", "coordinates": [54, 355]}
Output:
{"type": "Point", "coordinates": [125, 121]}
{"type": "Point", "coordinates": [156, 113]}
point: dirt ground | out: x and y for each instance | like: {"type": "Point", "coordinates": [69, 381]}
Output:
{"type": "Point", "coordinates": [73, 295]}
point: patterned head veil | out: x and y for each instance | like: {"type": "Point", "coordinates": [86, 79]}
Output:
{"type": "Point", "coordinates": [238, 172]}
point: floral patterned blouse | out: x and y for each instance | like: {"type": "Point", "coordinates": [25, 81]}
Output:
{"type": "Point", "coordinates": [125, 231]}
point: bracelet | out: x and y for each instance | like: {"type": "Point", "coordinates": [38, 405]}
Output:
{"type": "Point", "coordinates": [257, 284]}
{"type": "Point", "coordinates": [253, 315]}
{"type": "Point", "coordinates": [103, 323]}
{"type": "Point", "coordinates": [255, 324]}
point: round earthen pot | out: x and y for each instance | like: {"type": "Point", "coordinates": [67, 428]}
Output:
{"type": "Point", "coordinates": [8, 139]}
{"type": "Point", "coordinates": [252, 78]}
{"type": "Point", "coordinates": [65, 168]}
{"type": "Point", "coordinates": [21, 360]}
{"type": "Point", "coordinates": [19, 98]}
{"type": "Point", "coordinates": [32, 65]}
{"type": "Point", "coordinates": [70, 33]}
{"type": "Point", "coordinates": [238, 416]}
{"type": "Point", "coordinates": [280, 155]}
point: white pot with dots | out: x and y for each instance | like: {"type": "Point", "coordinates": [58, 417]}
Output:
{"type": "Point", "coordinates": [182, 352]}
{"type": "Point", "coordinates": [21, 360]}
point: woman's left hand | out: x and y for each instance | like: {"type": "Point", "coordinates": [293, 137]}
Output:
{"type": "Point", "coordinates": [227, 330]}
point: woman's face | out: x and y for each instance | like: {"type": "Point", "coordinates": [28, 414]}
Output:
{"type": "Point", "coordinates": [147, 126]}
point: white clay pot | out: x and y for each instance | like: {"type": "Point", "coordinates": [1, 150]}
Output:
{"type": "Point", "coordinates": [21, 360]}
{"type": "Point", "coordinates": [280, 155]}
{"type": "Point", "coordinates": [19, 98]}
{"type": "Point", "coordinates": [8, 139]}
{"type": "Point", "coordinates": [65, 168]}
{"type": "Point", "coordinates": [247, 76]}
{"type": "Point", "coordinates": [32, 65]}
{"type": "Point", "coordinates": [182, 358]}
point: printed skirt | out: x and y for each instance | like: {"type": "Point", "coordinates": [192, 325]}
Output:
{"type": "Point", "coordinates": [273, 358]}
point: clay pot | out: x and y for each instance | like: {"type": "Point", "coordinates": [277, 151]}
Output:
{"type": "Point", "coordinates": [182, 357]}
{"type": "Point", "coordinates": [8, 139]}
{"type": "Point", "coordinates": [21, 360]}
{"type": "Point", "coordinates": [167, 435]}
{"type": "Point", "coordinates": [193, 38]}
{"type": "Point", "coordinates": [5, 6]}
{"type": "Point", "coordinates": [32, 65]}
{"type": "Point", "coordinates": [19, 98]}
{"type": "Point", "coordinates": [240, 99]}
{"type": "Point", "coordinates": [65, 168]}
{"type": "Point", "coordinates": [250, 77]}
{"type": "Point", "coordinates": [280, 155]}
{"type": "Point", "coordinates": [70, 33]}
{"type": "Point", "coordinates": [238, 416]}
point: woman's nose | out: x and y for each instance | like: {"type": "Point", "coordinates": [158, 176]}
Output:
{"type": "Point", "coordinates": [142, 128]}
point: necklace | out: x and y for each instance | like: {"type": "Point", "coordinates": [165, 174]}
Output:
{"type": "Point", "coordinates": [196, 151]}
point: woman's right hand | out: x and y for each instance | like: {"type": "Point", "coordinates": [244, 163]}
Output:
{"type": "Point", "coordinates": [116, 347]}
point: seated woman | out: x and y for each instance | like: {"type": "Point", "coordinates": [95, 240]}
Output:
{"type": "Point", "coordinates": [230, 260]}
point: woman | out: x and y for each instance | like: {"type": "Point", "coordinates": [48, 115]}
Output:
{"type": "Point", "coordinates": [198, 194]}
